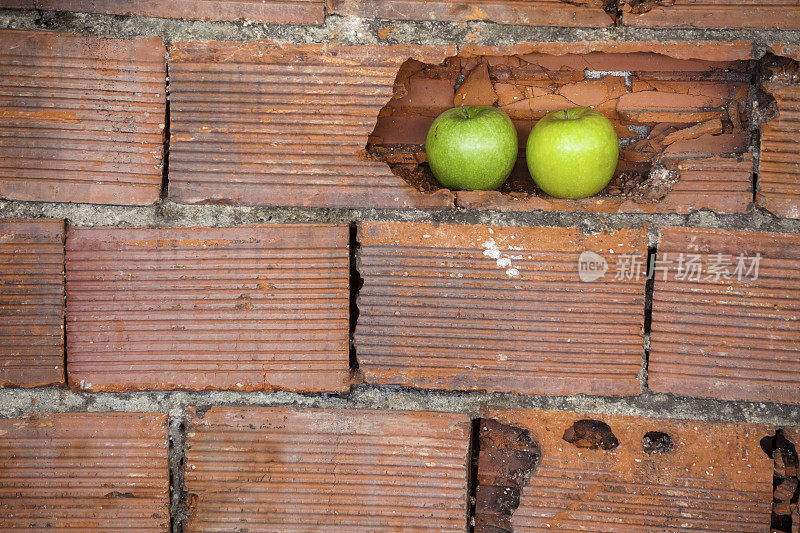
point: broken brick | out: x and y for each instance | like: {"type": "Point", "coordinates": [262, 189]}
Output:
{"type": "Point", "coordinates": [82, 119]}
{"type": "Point", "coordinates": [31, 302]}
{"type": "Point", "coordinates": [719, 331]}
{"type": "Point", "coordinates": [276, 11]}
{"type": "Point", "coordinates": [249, 308]}
{"type": "Point", "coordinates": [85, 472]}
{"type": "Point", "coordinates": [500, 309]}
{"type": "Point", "coordinates": [279, 124]}
{"type": "Point", "coordinates": [534, 12]}
{"type": "Point", "coordinates": [353, 470]}
{"type": "Point", "coordinates": [779, 166]}
{"type": "Point", "coordinates": [724, 14]}
{"type": "Point", "coordinates": [476, 90]}
{"type": "Point", "coordinates": [712, 127]}
{"type": "Point", "coordinates": [721, 184]}
{"type": "Point", "coordinates": [715, 476]}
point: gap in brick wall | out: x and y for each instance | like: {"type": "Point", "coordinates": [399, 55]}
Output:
{"type": "Point", "coordinates": [649, 288]}
{"type": "Point", "coordinates": [178, 497]}
{"type": "Point", "coordinates": [472, 472]}
{"type": "Point", "coordinates": [785, 513]}
{"type": "Point", "coordinates": [664, 110]}
{"type": "Point", "coordinates": [165, 162]}
{"type": "Point", "coordinates": [355, 283]}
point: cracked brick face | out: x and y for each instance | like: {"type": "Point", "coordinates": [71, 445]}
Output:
{"type": "Point", "coordinates": [727, 14]}
{"type": "Point", "coordinates": [31, 302]}
{"type": "Point", "coordinates": [83, 118]}
{"type": "Point", "coordinates": [331, 470]}
{"type": "Point", "coordinates": [714, 477]}
{"type": "Point", "coordinates": [499, 309]}
{"type": "Point", "coordinates": [725, 315]}
{"type": "Point", "coordinates": [685, 143]}
{"type": "Point", "coordinates": [264, 123]}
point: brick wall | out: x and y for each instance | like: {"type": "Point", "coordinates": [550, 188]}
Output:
{"type": "Point", "coordinates": [233, 298]}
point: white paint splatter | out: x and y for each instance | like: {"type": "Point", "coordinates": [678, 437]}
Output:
{"type": "Point", "coordinates": [503, 260]}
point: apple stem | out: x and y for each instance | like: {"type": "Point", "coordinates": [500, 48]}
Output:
{"type": "Point", "coordinates": [565, 114]}
{"type": "Point", "coordinates": [466, 113]}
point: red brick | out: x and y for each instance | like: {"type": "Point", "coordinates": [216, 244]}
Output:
{"type": "Point", "coordinates": [683, 50]}
{"type": "Point", "coordinates": [721, 184]}
{"type": "Point", "coordinates": [248, 308]}
{"type": "Point", "coordinates": [715, 477]}
{"type": "Point", "coordinates": [278, 11]}
{"type": "Point", "coordinates": [731, 339]}
{"type": "Point", "coordinates": [31, 302]}
{"type": "Point", "coordinates": [500, 309]}
{"type": "Point", "coordinates": [85, 472]}
{"type": "Point", "coordinates": [725, 14]}
{"type": "Point", "coordinates": [279, 469]}
{"type": "Point", "coordinates": [536, 12]}
{"type": "Point", "coordinates": [779, 166]}
{"type": "Point", "coordinates": [277, 124]}
{"type": "Point", "coordinates": [82, 119]}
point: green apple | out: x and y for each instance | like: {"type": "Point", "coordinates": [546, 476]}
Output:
{"type": "Point", "coordinates": [572, 153]}
{"type": "Point", "coordinates": [472, 148]}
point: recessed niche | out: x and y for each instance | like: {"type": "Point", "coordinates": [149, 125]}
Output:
{"type": "Point", "coordinates": [676, 118]}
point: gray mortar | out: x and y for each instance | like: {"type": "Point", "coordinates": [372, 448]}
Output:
{"type": "Point", "coordinates": [355, 30]}
{"type": "Point", "coordinates": [16, 403]}
{"type": "Point", "coordinates": [167, 213]}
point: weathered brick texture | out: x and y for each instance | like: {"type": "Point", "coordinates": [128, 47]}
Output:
{"type": "Point", "coordinates": [532, 12]}
{"type": "Point", "coordinates": [279, 11]}
{"type": "Point", "coordinates": [727, 14]}
{"type": "Point", "coordinates": [712, 475]}
{"type": "Point", "coordinates": [501, 309]}
{"type": "Point", "coordinates": [247, 308]}
{"type": "Point", "coordinates": [81, 118]}
{"type": "Point", "coordinates": [285, 469]}
{"type": "Point", "coordinates": [721, 332]}
{"type": "Point", "coordinates": [278, 124]}
{"type": "Point", "coordinates": [31, 302]}
{"type": "Point", "coordinates": [84, 472]}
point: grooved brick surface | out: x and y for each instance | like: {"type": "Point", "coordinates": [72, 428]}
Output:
{"type": "Point", "coordinates": [532, 12]}
{"type": "Point", "coordinates": [84, 472]}
{"type": "Point", "coordinates": [501, 309]}
{"type": "Point", "coordinates": [715, 477]}
{"type": "Point", "coordinates": [278, 124]}
{"type": "Point", "coordinates": [727, 337]}
{"type": "Point", "coordinates": [728, 14]}
{"type": "Point", "coordinates": [267, 469]}
{"type": "Point", "coordinates": [81, 118]}
{"type": "Point", "coordinates": [278, 11]}
{"type": "Point", "coordinates": [247, 308]}
{"type": "Point", "coordinates": [779, 167]}
{"type": "Point", "coordinates": [31, 302]}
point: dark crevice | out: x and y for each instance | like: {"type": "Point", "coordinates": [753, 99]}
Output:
{"type": "Point", "coordinates": [591, 434]}
{"type": "Point", "coordinates": [356, 282]}
{"type": "Point", "coordinates": [657, 442]}
{"type": "Point", "coordinates": [64, 317]}
{"type": "Point", "coordinates": [785, 514]}
{"type": "Point", "coordinates": [649, 288]}
{"type": "Point", "coordinates": [178, 504]}
{"type": "Point", "coordinates": [507, 458]}
{"type": "Point", "coordinates": [472, 473]}
{"type": "Point", "coordinates": [165, 161]}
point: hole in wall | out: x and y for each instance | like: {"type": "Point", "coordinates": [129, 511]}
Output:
{"type": "Point", "coordinates": [664, 110]}
{"type": "Point", "coordinates": [786, 492]}
{"type": "Point", "coordinates": [591, 434]}
{"type": "Point", "coordinates": [507, 458]}
{"type": "Point", "coordinates": [657, 442]}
